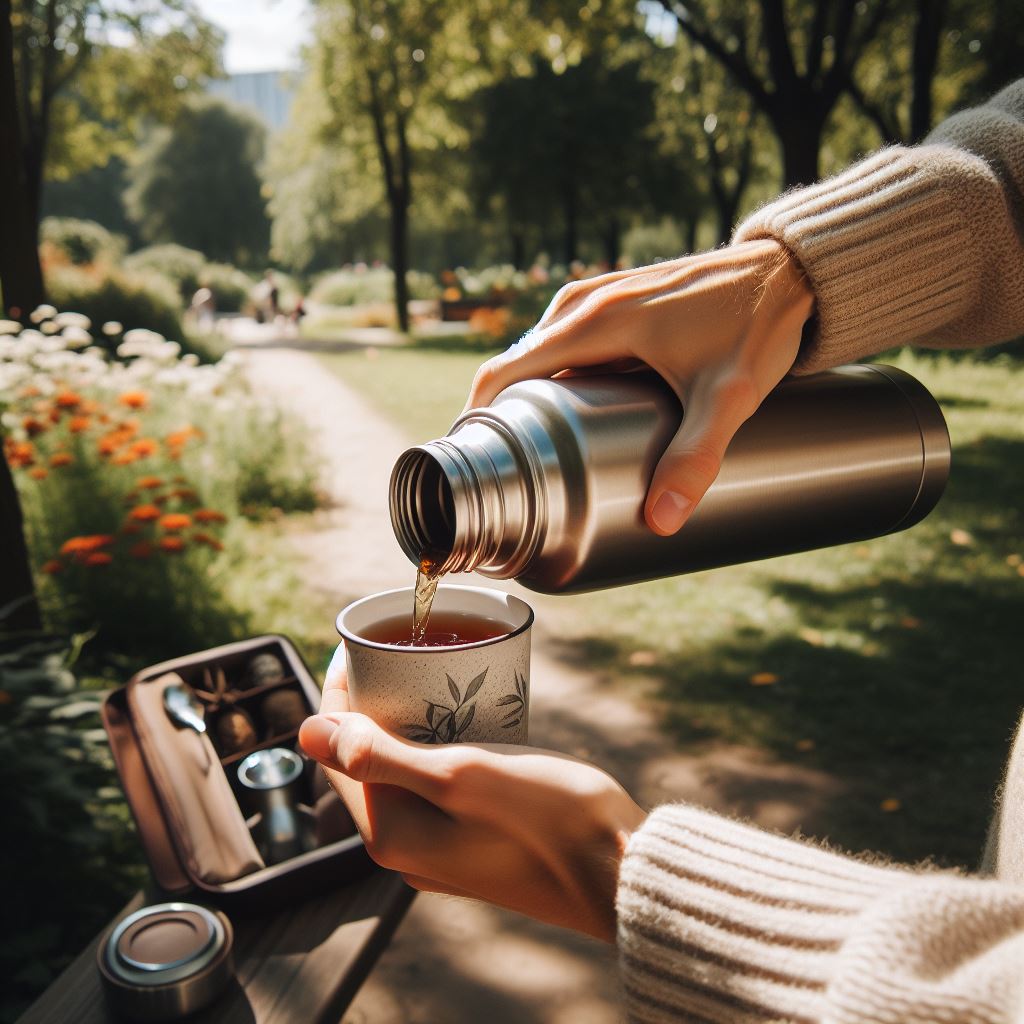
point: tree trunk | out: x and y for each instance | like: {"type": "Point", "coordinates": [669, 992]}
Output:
{"type": "Point", "coordinates": [570, 212]}
{"type": "Point", "coordinates": [518, 240]}
{"type": "Point", "coordinates": [612, 243]}
{"type": "Point", "coordinates": [799, 138]}
{"type": "Point", "coordinates": [16, 586]}
{"type": "Point", "coordinates": [692, 223]}
{"type": "Point", "coordinates": [21, 276]}
{"type": "Point", "coordinates": [398, 200]}
{"type": "Point", "coordinates": [927, 32]}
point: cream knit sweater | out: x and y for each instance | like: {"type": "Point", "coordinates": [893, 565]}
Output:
{"type": "Point", "coordinates": [722, 922]}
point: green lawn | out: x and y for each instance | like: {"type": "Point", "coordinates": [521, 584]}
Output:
{"type": "Point", "coordinates": [895, 661]}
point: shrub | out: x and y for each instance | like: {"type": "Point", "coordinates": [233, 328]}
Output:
{"type": "Point", "coordinates": [74, 857]}
{"type": "Point", "coordinates": [104, 293]}
{"type": "Point", "coordinates": [178, 264]}
{"type": "Point", "coordinates": [365, 286]}
{"type": "Point", "coordinates": [650, 243]}
{"type": "Point", "coordinates": [230, 286]}
{"type": "Point", "coordinates": [80, 241]}
{"type": "Point", "coordinates": [127, 504]}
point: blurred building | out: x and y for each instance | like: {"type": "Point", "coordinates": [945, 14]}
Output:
{"type": "Point", "coordinates": [268, 94]}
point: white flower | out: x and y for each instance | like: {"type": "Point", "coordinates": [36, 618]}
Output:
{"type": "Point", "coordinates": [76, 337]}
{"type": "Point", "coordinates": [10, 327]}
{"type": "Point", "coordinates": [48, 327]}
{"type": "Point", "coordinates": [190, 359]}
{"type": "Point", "coordinates": [79, 320]}
{"type": "Point", "coordinates": [41, 313]}
{"type": "Point", "coordinates": [111, 327]}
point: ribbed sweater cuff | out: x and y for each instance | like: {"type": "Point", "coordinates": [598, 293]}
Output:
{"type": "Point", "coordinates": [721, 922]}
{"type": "Point", "coordinates": [886, 246]}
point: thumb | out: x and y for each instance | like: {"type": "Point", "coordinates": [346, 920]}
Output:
{"type": "Point", "coordinates": [693, 458]}
{"type": "Point", "coordinates": [357, 747]}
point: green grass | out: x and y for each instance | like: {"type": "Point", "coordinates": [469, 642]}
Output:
{"type": "Point", "coordinates": [896, 659]}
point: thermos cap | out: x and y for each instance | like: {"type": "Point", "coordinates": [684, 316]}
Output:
{"type": "Point", "coordinates": [166, 960]}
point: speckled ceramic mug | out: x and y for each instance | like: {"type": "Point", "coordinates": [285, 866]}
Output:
{"type": "Point", "coordinates": [466, 693]}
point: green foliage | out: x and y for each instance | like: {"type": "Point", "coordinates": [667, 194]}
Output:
{"type": "Point", "coordinates": [649, 243]}
{"type": "Point", "coordinates": [231, 287]}
{"type": "Point", "coordinates": [95, 194]}
{"type": "Point", "coordinates": [197, 183]}
{"type": "Point", "coordinates": [178, 264]}
{"type": "Point", "coordinates": [70, 856]}
{"type": "Point", "coordinates": [80, 241]}
{"type": "Point", "coordinates": [364, 285]}
{"type": "Point", "coordinates": [97, 91]}
{"type": "Point", "coordinates": [106, 293]}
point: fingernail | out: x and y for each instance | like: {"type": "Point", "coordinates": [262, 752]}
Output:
{"type": "Point", "coordinates": [315, 736]}
{"type": "Point", "coordinates": [670, 511]}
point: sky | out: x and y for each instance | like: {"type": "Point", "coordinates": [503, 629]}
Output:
{"type": "Point", "coordinates": [262, 35]}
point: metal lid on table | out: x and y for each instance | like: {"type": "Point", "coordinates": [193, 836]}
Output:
{"type": "Point", "coordinates": [166, 960]}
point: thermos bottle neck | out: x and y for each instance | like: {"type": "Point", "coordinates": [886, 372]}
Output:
{"type": "Point", "coordinates": [472, 503]}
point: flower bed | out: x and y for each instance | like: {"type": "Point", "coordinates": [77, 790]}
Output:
{"type": "Point", "coordinates": [132, 473]}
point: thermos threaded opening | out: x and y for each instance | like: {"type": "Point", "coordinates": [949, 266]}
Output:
{"type": "Point", "coordinates": [422, 506]}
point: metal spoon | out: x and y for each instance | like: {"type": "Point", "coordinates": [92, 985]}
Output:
{"type": "Point", "coordinates": [184, 707]}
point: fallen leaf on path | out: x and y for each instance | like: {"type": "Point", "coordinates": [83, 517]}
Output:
{"type": "Point", "coordinates": [764, 679]}
{"type": "Point", "coordinates": [643, 659]}
{"type": "Point", "coordinates": [804, 745]}
{"type": "Point", "coordinates": [890, 804]}
{"type": "Point", "coordinates": [961, 538]}
{"type": "Point", "coordinates": [1013, 561]}
{"type": "Point", "coordinates": [910, 622]}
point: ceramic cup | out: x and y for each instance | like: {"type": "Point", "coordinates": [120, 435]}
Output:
{"type": "Point", "coordinates": [469, 693]}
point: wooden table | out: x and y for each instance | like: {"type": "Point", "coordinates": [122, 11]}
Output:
{"type": "Point", "coordinates": [303, 964]}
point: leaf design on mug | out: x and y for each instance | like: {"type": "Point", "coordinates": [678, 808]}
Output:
{"type": "Point", "coordinates": [446, 724]}
{"type": "Point", "coordinates": [516, 702]}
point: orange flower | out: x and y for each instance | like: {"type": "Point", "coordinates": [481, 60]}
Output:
{"type": "Point", "coordinates": [208, 539]}
{"type": "Point", "coordinates": [131, 528]}
{"type": "Point", "coordinates": [149, 482]}
{"type": "Point", "coordinates": [124, 458]}
{"type": "Point", "coordinates": [62, 459]}
{"type": "Point", "coordinates": [134, 399]}
{"type": "Point", "coordinates": [19, 453]}
{"type": "Point", "coordinates": [33, 426]}
{"type": "Point", "coordinates": [86, 544]}
{"type": "Point", "coordinates": [114, 439]}
{"type": "Point", "coordinates": [172, 544]}
{"type": "Point", "coordinates": [144, 447]}
{"type": "Point", "coordinates": [176, 521]}
{"type": "Point", "coordinates": [209, 515]}
{"type": "Point", "coordinates": [67, 400]}
{"type": "Point", "coordinates": [141, 550]}
{"type": "Point", "coordinates": [160, 499]}
{"type": "Point", "coordinates": [54, 415]}
{"type": "Point", "coordinates": [145, 513]}
{"type": "Point", "coordinates": [98, 558]}
{"type": "Point", "coordinates": [185, 494]}
{"type": "Point", "coordinates": [79, 423]}
{"type": "Point", "coordinates": [29, 392]}
{"type": "Point", "coordinates": [53, 566]}
{"type": "Point", "coordinates": [88, 407]}
{"type": "Point", "coordinates": [180, 437]}
{"type": "Point", "coordinates": [38, 473]}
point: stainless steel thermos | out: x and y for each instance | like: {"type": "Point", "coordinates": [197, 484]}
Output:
{"type": "Point", "coordinates": [547, 484]}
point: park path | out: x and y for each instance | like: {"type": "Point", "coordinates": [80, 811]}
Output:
{"type": "Point", "coordinates": [455, 961]}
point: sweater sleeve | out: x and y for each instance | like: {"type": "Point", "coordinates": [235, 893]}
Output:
{"type": "Point", "coordinates": [917, 244]}
{"type": "Point", "coordinates": [722, 923]}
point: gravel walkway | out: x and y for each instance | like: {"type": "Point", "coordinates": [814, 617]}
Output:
{"type": "Point", "coordinates": [454, 961]}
